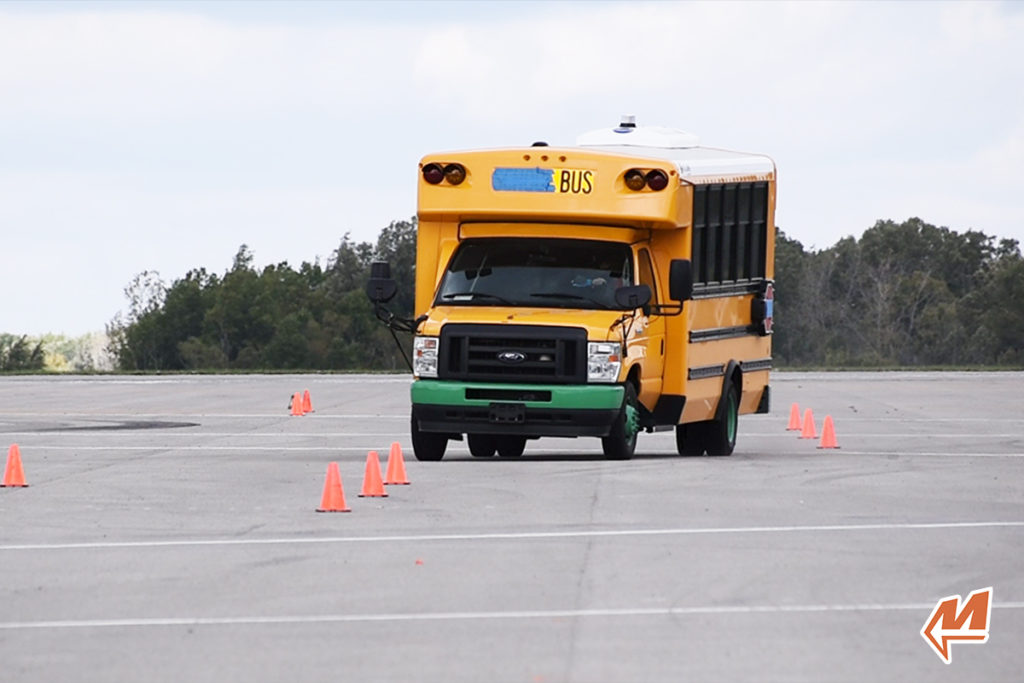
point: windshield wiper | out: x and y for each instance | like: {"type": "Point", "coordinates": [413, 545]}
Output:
{"type": "Point", "coordinates": [474, 295]}
{"type": "Point", "coordinates": [564, 295]}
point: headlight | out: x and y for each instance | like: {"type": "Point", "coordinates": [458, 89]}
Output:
{"type": "Point", "coordinates": [603, 362]}
{"type": "Point", "coordinates": [424, 357]}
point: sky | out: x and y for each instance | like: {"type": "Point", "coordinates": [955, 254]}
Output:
{"type": "Point", "coordinates": [162, 136]}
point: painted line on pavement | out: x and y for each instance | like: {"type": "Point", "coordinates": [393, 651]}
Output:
{"type": "Point", "coordinates": [132, 416]}
{"type": "Point", "coordinates": [105, 431]}
{"type": "Point", "coordinates": [405, 416]}
{"type": "Point", "coordinates": [523, 535]}
{"type": "Point", "coordinates": [148, 622]}
{"type": "Point", "coordinates": [540, 452]}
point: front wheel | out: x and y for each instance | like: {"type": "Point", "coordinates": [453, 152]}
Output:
{"type": "Point", "coordinates": [427, 445]}
{"type": "Point", "coordinates": [621, 443]}
{"type": "Point", "coordinates": [511, 446]}
{"type": "Point", "coordinates": [482, 445]}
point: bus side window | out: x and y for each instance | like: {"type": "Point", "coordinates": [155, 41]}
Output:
{"type": "Point", "coordinates": [647, 275]}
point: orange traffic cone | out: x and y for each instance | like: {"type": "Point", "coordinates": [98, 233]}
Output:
{"type": "Point", "coordinates": [307, 405]}
{"type": "Point", "coordinates": [794, 419]}
{"type": "Point", "coordinates": [373, 487]}
{"type": "Point", "coordinates": [334, 495]}
{"type": "Point", "coordinates": [14, 475]}
{"type": "Point", "coordinates": [297, 404]}
{"type": "Point", "coordinates": [828, 434]}
{"type": "Point", "coordinates": [809, 431]}
{"type": "Point", "coordinates": [396, 466]}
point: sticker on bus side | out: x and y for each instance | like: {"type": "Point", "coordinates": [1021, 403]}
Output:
{"type": "Point", "coordinates": [556, 180]}
{"type": "Point", "coordinates": [573, 181]}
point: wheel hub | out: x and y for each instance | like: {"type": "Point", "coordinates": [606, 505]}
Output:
{"type": "Point", "coordinates": [632, 418]}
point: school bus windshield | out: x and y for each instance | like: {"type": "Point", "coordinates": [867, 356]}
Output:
{"type": "Point", "coordinates": [549, 273]}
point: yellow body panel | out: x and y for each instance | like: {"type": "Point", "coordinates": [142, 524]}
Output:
{"type": "Point", "coordinates": [609, 201]}
{"type": "Point", "coordinates": [592, 202]}
{"type": "Point", "coordinates": [596, 323]}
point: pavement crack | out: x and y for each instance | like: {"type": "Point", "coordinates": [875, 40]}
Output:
{"type": "Point", "coordinates": [579, 599]}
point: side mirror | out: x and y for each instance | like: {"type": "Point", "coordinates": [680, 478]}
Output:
{"type": "Point", "coordinates": [381, 288]}
{"type": "Point", "coordinates": [630, 298]}
{"type": "Point", "coordinates": [680, 280]}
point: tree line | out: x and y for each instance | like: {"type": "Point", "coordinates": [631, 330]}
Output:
{"type": "Point", "coordinates": [904, 294]}
{"type": "Point", "coordinates": [277, 318]}
{"type": "Point", "coordinates": [20, 353]}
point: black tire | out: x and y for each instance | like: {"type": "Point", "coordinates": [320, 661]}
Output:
{"type": "Point", "coordinates": [720, 435]}
{"type": "Point", "coordinates": [482, 445]}
{"type": "Point", "coordinates": [690, 439]}
{"type": "Point", "coordinates": [511, 446]}
{"type": "Point", "coordinates": [621, 443]}
{"type": "Point", "coordinates": [426, 445]}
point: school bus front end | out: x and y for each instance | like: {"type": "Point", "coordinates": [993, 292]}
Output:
{"type": "Point", "coordinates": [560, 291]}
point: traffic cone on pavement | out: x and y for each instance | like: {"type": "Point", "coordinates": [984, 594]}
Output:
{"type": "Point", "coordinates": [794, 419]}
{"type": "Point", "coordinates": [828, 434]}
{"type": "Point", "coordinates": [396, 466]}
{"type": "Point", "coordinates": [809, 430]}
{"type": "Point", "coordinates": [297, 404]}
{"type": "Point", "coordinates": [333, 499]}
{"type": "Point", "coordinates": [14, 474]}
{"type": "Point", "coordinates": [307, 405]}
{"type": "Point", "coordinates": [373, 486]}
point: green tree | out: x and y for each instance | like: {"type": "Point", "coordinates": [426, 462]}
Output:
{"type": "Point", "coordinates": [136, 340]}
{"type": "Point", "coordinates": [18, 353]}
{"type": "Point", "coordinates": [998, 307]}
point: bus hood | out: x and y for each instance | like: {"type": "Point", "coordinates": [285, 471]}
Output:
{"type": "Point", "coordinates": [597, 323]}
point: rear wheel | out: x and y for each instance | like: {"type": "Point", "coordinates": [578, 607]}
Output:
{"type": "Point", "coordinates": [482, 445]}
{"type": "Point", "coordinates": [511, 446]}
{"type": "Point", "coordinates": [690, 439]}
{"type": "Point", "coordinates": [621, 443]}
{"type": "Point", "coordinates": [427, 445]}
{"type": "Point", "coordinates": [720, 435]}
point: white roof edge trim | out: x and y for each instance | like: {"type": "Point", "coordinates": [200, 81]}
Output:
{"type": "Point", "coordinates": [740, 166]}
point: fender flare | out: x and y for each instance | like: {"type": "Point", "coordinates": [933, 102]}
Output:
{"type": "Point", "coordinates": [635, 375]}
{"type": "Point", "coordinates": [733, 375]}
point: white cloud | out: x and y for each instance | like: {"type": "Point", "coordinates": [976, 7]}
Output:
{"type": "Point", "coordinates": [129, 64]}
{"type": "Point", "coordinates": [140, 138]}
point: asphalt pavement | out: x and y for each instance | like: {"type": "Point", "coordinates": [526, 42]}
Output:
{"type": "Point", "coordinates": [169, 533]}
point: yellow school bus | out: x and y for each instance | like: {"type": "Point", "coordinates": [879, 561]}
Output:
{"type": "Point", "coordinates": [617, 286]}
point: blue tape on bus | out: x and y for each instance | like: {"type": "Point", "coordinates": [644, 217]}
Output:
{"type": "Point", "coordinates": [522, 180]}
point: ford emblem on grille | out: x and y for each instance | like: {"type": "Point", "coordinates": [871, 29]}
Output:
{"type": "Point", "coordinates": [511, 357]}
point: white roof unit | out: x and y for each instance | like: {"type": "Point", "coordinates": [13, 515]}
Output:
{"type": "Point", "coordinates": [677, 146]}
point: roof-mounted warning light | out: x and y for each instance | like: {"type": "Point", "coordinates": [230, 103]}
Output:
{"type": "Point", "coordinates": [636, 179]}
{"type": "Point", "coordinates": [454, 173]}
{"type": "Point", "coordinates": [656, 180]}
{"type": "Point", "coordinates": [434, 173]}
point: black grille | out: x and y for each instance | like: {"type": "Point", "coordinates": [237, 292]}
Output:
{"type": "Point", "coordinates": [510, 394]}
{"type": "Point", "coordinates": [532, 353]}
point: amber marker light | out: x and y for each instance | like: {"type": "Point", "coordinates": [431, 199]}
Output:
{"type": "Point", "coordinates": [454, 173]}
{"type": "Point", "coordinates": [634, 179]}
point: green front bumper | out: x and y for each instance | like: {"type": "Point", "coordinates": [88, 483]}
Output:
{"type": "Point", "coordinates": [547, 409]}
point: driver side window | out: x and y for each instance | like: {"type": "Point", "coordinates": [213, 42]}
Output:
{"type": "Point", "coordinates": [647, 274]}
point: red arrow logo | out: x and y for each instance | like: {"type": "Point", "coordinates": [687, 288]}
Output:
{"type": "Point", "coordinates": [954, 619]}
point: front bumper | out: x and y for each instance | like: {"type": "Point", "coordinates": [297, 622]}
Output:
{"type": "Point", "coordinates": [516, 409]}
